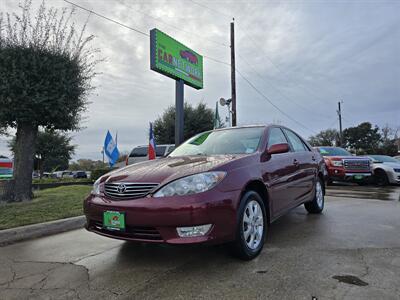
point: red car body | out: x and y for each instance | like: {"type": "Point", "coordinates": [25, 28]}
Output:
{"type": "Point", "coordinates": [345, 167]}
{"type": "Point", "coordinates": [284, 180]}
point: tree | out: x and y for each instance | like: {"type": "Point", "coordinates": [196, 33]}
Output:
{"type": "Point", "coordinates": [388, 145]}
{"type": "Point", "coordinates": [196, 119]}
{"type": "Point", "coordinates": [328, 137]}
{"type": "Point", "coordinates": [46, 68]}
{"type": "Point", "coordinates": [52, 151]}
{"type": "Point", "coordinates": [364, 139]}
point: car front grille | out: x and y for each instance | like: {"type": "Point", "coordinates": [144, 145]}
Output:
{"type": "Point", "coordinates": [357, 164]}
{"type": "Point", "coordinates": [131, 232]}
{"type": "Point", "coordinates": [124, 190]}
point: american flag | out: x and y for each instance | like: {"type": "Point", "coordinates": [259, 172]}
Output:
{"type": "Point", "coordinates": [152, 144]}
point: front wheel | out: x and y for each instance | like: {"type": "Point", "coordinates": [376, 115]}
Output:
{"type": "Point", "coordinates": [317, 204]}
{"type": "Point", "coordinates": [251, 226]}
{"type": "Point", "coordinates": [381, 178]}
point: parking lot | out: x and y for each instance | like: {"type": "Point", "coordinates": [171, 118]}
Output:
{"type": "Point", "coordinates": [351, 251]}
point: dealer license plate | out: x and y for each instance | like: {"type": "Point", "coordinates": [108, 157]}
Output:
{"type": "Point", "coordinates": [358, 177]}
{"type": "Point", "coordinates": [114, 220]}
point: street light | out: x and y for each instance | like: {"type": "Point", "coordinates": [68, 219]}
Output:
{"type": "Point", "coordinates": [227, 102]}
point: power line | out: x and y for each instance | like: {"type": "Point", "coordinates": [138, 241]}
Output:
{"type": "Point", "coordinates": [273, 104]}
{"type": "Point", "coordinates": [172, 26]}
{"type": "Point", "coordinates": [134, 29]}
{"type": "Point", "coordinates": [279, 91]}
{"type": "Point", "coordinates": [107, 18]}
{"type": "Point", "coordinates": [217, 60]}
{"type": "Point", "coordinates": [208, 57]}
{"type": "Point", "coordinates": [211, 9]}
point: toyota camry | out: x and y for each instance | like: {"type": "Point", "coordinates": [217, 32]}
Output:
{"type": "Point", "coordinates": [220, 186]}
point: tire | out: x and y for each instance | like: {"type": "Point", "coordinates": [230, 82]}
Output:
{"type": "Point", "coordinates": [316, 206]}
{"type": "Point", "coordinates": [381, 178]}
{"type": "Point", "coordinates": [249, 243]}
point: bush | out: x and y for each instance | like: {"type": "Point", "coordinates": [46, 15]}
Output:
{"type": "Point", "coordinates": [98, 173]}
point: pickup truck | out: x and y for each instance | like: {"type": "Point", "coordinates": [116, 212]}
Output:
{"type": "Point", "coordinates": [343, 166]}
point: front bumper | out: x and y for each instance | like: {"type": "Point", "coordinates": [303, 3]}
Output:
{"type": "Point", "coordinates": [155, 220]}
{"type": "Point", "coordinates": [340, 174]}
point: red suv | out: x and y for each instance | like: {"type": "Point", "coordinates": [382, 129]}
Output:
{"type": "Point", "coordinates": [342, 166]}
{"type": "Point", "coordinates": [220, 186]}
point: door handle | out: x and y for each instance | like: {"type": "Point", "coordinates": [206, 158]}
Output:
{"type": "Point", "coordinates": [295, 162]}
{"type": "Point", "coordinates": [313, 158]}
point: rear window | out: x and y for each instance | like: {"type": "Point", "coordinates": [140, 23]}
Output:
{"type": "Point", "coordinates": [333, 151]}
{"type": "Point", "coordinates": [160, 150]}
{"type": "Point", "coordinates": [139, 152]}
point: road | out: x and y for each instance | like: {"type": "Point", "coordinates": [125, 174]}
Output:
{"type": "Point", "coordinates": [352, 251]}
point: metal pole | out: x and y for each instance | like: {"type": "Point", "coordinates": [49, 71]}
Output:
{"type": "Point", "coordinates": [340, 124]}
{"type": "Point", "coordinates": [179, 86]}
{"type": "Point", "coordinates": [233, 74]}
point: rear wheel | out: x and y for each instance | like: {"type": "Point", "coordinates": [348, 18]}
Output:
{"type": "Point", "coordinates": [251, 226]}
{"type": "Point", "coordinates": [381, 178]}
{"type": "Point", "coordinates": [316, 206]}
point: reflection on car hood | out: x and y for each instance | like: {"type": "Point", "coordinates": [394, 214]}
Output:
{"type": "Point", "coordinates": [169, 168]}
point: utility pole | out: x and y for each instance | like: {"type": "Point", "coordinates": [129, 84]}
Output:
{"type": "Point", "coordinates": [339, 111]}
{"type": "Point", "coordinates": [233, 74]}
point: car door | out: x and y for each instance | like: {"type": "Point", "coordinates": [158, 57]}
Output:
{"type": "Point", "coordinates": [307, 166]}
{"type": "Point", "coordinates": [279, 173]}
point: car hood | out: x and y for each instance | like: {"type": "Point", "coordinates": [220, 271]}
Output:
{"type": "Point", "coordinates": [388, 164]}
{"type": "Point", "coordinates": [169, 168]}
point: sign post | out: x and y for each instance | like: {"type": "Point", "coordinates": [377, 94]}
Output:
{"type": "Point", "coordinates": [179, 115]}
{"type": "Point", "coordinates": [175, 60]}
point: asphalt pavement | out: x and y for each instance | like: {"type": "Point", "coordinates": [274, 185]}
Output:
{"type": "Point", "coordinates": [351, 251]}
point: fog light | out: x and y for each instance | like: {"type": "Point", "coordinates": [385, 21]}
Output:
{"type": "Point", "coordinates": [193, 231]}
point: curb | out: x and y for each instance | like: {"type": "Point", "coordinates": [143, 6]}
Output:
{"type": "Point", "coordinates": [18, 234]}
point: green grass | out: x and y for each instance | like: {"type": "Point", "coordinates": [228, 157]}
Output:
{"type": "Point", "coordinates": [60, 180]}
{"type": "Point", "coordinates": [47, 205]}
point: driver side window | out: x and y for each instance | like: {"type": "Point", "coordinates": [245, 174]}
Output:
{"type": "Point", "coordinates": [276, 136]}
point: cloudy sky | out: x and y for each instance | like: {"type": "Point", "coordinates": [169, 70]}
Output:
{"type": "Point", "coordinates": [303, 56]}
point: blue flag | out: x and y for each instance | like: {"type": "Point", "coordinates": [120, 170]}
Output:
{"type": "Point", "coordinates": [111, 149]}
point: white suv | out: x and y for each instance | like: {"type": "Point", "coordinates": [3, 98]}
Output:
{"type": "Point", "coordinates": [140, 153]}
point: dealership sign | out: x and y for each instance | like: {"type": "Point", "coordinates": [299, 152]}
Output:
{"type": "Point", "coordinates": [175, 60]}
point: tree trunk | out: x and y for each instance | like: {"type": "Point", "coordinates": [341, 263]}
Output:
{"type": "Point", "coordinates": [23, 161]}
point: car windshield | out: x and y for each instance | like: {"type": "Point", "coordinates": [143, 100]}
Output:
{"type": "Point", "coordinates": [333, 151]}
{"type": "Point", "coordinates": [383, 158]}
{"type": "Point", "coordinates": [231, 141]}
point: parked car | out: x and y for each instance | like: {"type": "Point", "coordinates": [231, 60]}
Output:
{"type": "Point", "coordinates": [67, 174]}
{"type": "Point", "coordinates": [140, 153]}
{"type": "Point", "coordinates": [221, 186]}
{"type": "Point", "coordinates": [343, 166]}
{"type": "Point", "coordinates": [6, 167]}
{"type": "Point", "coordinates": [80, 174]}
{"type": "Point", "coordinates": [386, 169]}
{"type": "Point", "coordinates": [397, 157]}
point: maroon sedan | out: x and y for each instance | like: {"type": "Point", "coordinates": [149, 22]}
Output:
{"type": "Point", "coordinates": [221, 186]}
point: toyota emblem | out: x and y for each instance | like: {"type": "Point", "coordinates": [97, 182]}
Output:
{"type": "Point", "coordinates": [121, 188]}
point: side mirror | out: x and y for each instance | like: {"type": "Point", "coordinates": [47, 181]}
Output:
{"type": "Point", "coordinates": [278, 148]}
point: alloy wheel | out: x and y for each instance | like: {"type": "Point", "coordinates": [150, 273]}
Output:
{"type": "Point", "coordinates": [253, 224]}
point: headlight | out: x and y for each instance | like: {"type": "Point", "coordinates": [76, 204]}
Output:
{"type": "Point", "coordinates": [397, 170]}
{"type": "Point", "coordinates": [337, 163]}
{"type": "Point", "coordinates": [97, 187]}
{"type": "Point", "coordinates": [192, 184]}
